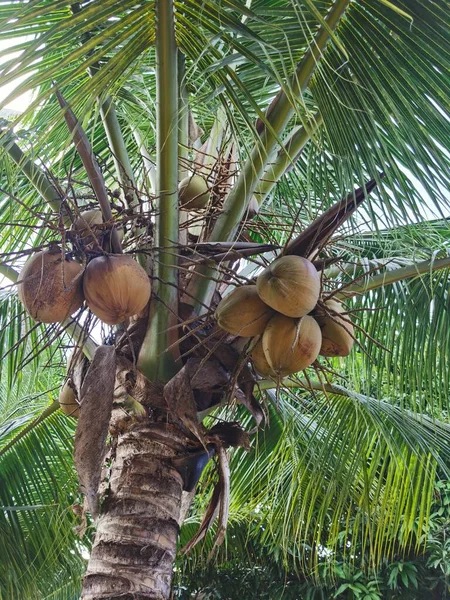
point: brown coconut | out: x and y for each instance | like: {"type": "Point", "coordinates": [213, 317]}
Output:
{"type": "Point", "coordinates": [337, 331]}
{"type": "Point", "coordinates": [193, 193]}
{"type": "Point", "coordinates": [291, 345]}
{"type": "Point", "coordinates": [116, 287]}
{"type": "Point", "coordinates": [242, 312]}
{"type": "Point", "coordinates": [68, 402]}
{"type": "Point", "coordinates": [259, 361]}
{"type": "Point", "coordinates": [290, 285]}
{"type": "Point", "coordinates": [50, 286]}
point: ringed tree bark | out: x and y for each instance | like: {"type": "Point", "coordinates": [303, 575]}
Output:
{"type": "Point", "coordinates": [140, 442]}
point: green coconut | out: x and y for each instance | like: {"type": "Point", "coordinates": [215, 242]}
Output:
{"type": "Point", "coordinates": [193, 193]}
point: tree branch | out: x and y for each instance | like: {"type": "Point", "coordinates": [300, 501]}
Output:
{"type": "Point", "coordinates": [34, 174]}
{"type": "Point", "coordinates": [90, 163]}
{"type": "Point", "coordinates": [113, 133]}
{"type": "Point", "coordinates": [286, 157]}
{"type": "Point", "coordinates": [34, 423]}
{"type": "Point", "coordinates": [120, 153]}
{"type": "Point", "coordinates": [393, 276]}
{"type": "Point", "coordinates": [278, 116]}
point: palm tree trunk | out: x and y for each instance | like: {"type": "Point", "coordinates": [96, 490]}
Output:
{"type": "Point", "coordinates": [137, 530]}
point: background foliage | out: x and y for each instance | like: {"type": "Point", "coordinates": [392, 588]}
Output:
{"type": "Point", "coordinates": [344, 494]}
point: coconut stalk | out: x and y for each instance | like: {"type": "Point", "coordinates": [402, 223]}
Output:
{"type": "Point", "coordinates": [286, 157]}
{"type": "Point", "coordinates": [155, 361]}
{"type": "Point", "coordinates": [120, 153]}
{"type": "Point", "coordinates": [278, 116]}
{"type": "Point", "coordinates": [9, 272]}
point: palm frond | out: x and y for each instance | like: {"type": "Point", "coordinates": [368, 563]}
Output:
{"type": "Point", "coordinates": [38, 485]}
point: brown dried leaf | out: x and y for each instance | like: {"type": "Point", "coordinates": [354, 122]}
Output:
{"type": "Point", "coordinates": [206, 375]}
{"type": "Point", "coordinates": [230, 434]}
{"type": "Point", "coordinates": [321, 229]}
{"type": "Point", "coordinates": [210, 515]}
{"type": "Point", "coordinates": [77, 370]}
{"type": "Point", "coordinates": [224, 482]}
{"type": "Point", "coordinates": [180, 401]}
{"type": "Point", "coordinates": [252, 405]}
{"type": "Point", "coordinates": [97, 393]}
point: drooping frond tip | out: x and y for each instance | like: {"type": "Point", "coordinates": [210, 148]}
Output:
{"type": "Point", "coordinates": [316, 235]}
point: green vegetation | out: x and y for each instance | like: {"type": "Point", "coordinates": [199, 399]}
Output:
{"type": "Point", "coordinates": [284, 109]}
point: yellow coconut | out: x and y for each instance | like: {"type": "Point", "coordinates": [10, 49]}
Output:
{"type": "Point", "coordinates": [337, 331]}
{"type": "Point", "coordinates": [193, 192]}
{"type": "Point", "coordinates": [243, 312]}
{"type": "Point", "coordinates": [291, 345]}
{"type": "Point", "coordinates": [68, 402]}
{"type": "Point", "coordinates": [290, 285]}
{"type": "Point", "coordinates": [116, 287]}
{"type": "Point", "coordinates": [50, 287]}
{"type": "Point", "coordinates": [259, 361]}
{"type": "Point", "coordinates": [89, 224]}
{"type": "Point", "coordinates": [88, 221]}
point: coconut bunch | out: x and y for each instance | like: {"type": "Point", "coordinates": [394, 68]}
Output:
{"type": "Point", "coordinates": [53, 286]}
{"type": "Point", "coordinates": [291, 327]}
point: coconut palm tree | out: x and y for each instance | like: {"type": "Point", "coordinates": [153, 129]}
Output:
{"type": "Point", "coordinates": [312, 129]}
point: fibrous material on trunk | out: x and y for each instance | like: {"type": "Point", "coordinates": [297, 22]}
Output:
{"type": "Point", "coordinates": [137, 531]}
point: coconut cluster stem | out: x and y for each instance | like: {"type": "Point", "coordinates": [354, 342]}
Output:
{"type": "Point", "coordinates": [307, 384]}
{"type": "Point", "coordinates": [155, 361]}
{"type": "Point", "coordinates": [120, 153]}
